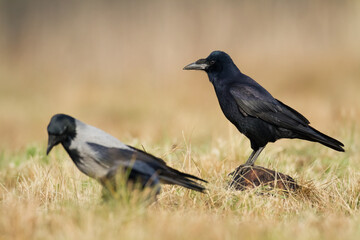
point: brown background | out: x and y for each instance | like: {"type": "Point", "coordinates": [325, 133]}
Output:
{"type": "Point", "coordinates": [118, 64]}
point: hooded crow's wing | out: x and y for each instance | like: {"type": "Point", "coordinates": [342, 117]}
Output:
{"type": "Point", "coordinates": [124, 160]}
{"type": "Point", "coordinates": [258, 103]}
{"type": "Point", "coordinates": [158, 162]}
{"type": "Point", "coordinates": [136, 171]}
{"type": "Point", "coordinates": [145, 163]}
{"type": "Point", "coordinates": [111, 156]}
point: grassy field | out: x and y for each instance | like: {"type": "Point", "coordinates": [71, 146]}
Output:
{"type": "Point", "coordinates": [117, 65]}
{"type": "Point", "coordinates": [47, 197]}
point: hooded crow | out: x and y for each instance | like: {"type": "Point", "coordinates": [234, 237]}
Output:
{"type": "Point", "coordinates": [253, 110]}
{"type": "Point", "coordinates": [101, 156]}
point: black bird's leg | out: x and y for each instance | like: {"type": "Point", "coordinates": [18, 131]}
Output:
{"type": "Point", "coordinates": [250, 157]}
{"type": "Point", "coordinates": [254, 155]}
{"type": "Point", "coordinates": [250, 162]}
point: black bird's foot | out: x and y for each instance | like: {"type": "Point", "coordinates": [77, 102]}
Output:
{"type": "Point", "coordinates": [242, 169]}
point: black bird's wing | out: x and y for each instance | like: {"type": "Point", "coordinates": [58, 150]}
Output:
{"type": "Point", "coordinates": [257, 102]}
{"type": "Point", "coordinates": [145, 163]}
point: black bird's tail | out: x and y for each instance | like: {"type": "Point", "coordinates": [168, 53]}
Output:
{"type": "Point", "coordinates": [316, 136]}
{"type": "Point", "coordinates": [173, 176]}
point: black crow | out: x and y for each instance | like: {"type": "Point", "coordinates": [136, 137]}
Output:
{"type": "Point", "coordinates": [101, 156]}
{"type": "Point", "coordinates": [252, 109]}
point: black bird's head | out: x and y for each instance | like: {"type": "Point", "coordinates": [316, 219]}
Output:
{"type": "Point", "coordinates": [61, 128]}
{"type": "Point", "coordinates": [215, 63]}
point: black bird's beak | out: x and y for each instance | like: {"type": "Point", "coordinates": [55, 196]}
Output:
{"type": "Point", "coordinates": [51, 143]}
{"type": "Point", "coordinates": [200, 64]}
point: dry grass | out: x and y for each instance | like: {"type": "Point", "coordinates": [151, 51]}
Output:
{"type": "Point", "coordinates": [44, 197]}
{"type": "Point", "coordinates": [117, 65]}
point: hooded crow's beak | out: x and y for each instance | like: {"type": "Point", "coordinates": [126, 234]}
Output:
{"type": "Point", "coordinates": [51, 143]}
{"type": "Point", "coordinates": [200, 64]}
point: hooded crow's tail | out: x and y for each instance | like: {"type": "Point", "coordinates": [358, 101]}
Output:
{"type": "Point", "coordinates": [173, 176]}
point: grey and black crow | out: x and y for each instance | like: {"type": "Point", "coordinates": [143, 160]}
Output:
{"type": "Point", "coordinates": [101, 156]}
{"type": "Point", "coordinates": [253, 110]}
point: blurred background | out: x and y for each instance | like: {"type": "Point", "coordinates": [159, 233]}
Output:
{"type": "Point", "coordinates": [118, 64]}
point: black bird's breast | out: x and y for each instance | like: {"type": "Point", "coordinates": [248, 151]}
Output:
{"type": "Point", "coordinates": [229, 107]}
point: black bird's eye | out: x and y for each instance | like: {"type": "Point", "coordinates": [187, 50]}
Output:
{"type": "Point", "coordinates": [212, 62]}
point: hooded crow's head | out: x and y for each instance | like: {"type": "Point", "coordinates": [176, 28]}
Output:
{"type": "Point", "coordinates": [61, 128]}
